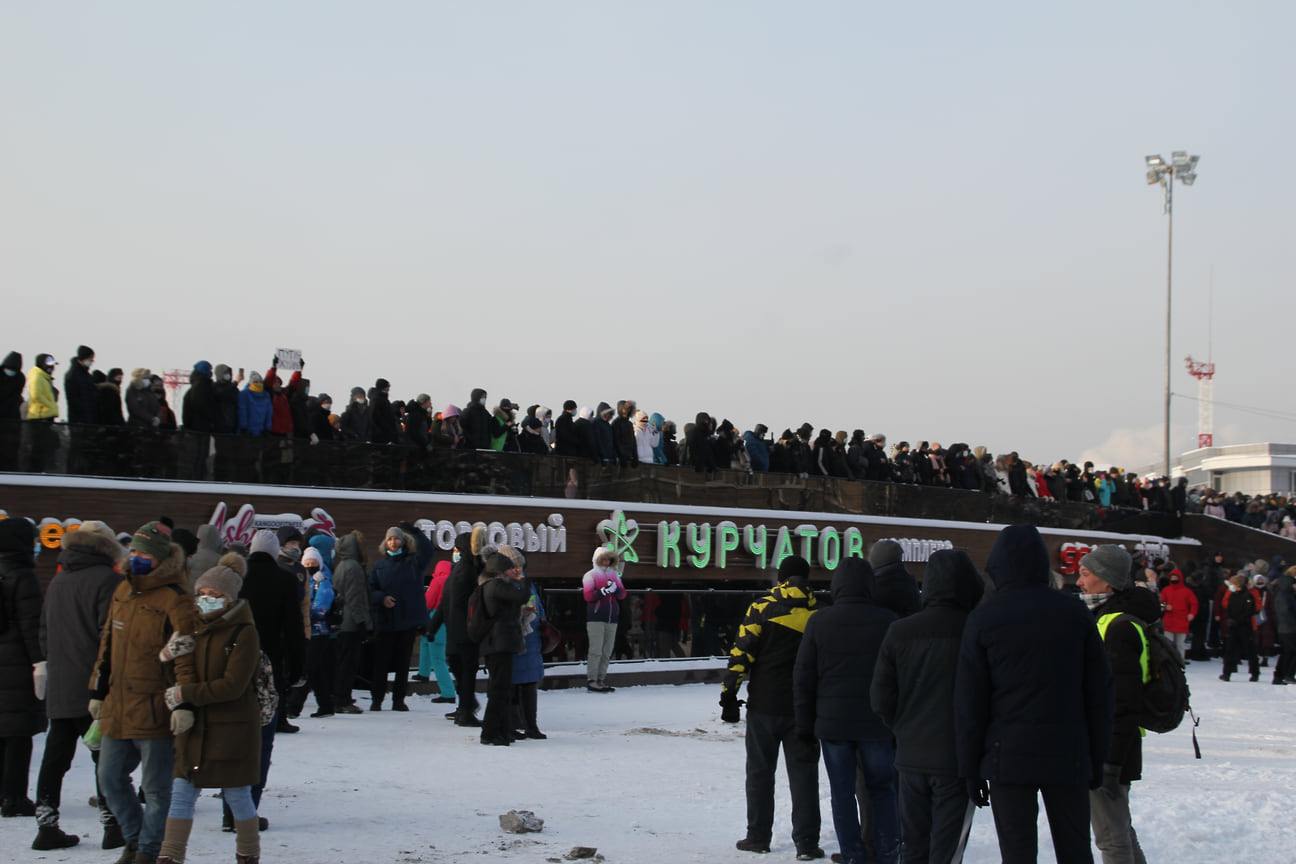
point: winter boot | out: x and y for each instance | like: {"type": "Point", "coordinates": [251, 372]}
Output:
{"type": "Point", "coordinates": [127, 855]}
{"type": "Point", "coordinates": [749, 845]}
{"type": "Point", "coordinates": [175, 840]}
{"type": "Point", "coordinates": [50, 837]}
{"type": "Point", "coordinates": [11, 807]}
{"type": "Point", "coordinates": [246, 859]}
{"type": "Point", "coordinates": [112, 837]}
{"type": "Point", "coordinates": [247, 842]}
{"type": "Point", "coordinates": [809, 852]}
{"type": "Point", "coordinates": [145, 858]}
{"type": "Point", "coordinates": [527, 699]}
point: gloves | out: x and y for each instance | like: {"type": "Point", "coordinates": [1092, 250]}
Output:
{"type": "Point", "coordinates": [39, 677]}
{"type": "Point", "coordinates": [729, 705]}
{"type": "Point", "coordinates": [1111, 781]}
{"type": "Point", "coordinates": [176, 646]}
{"type": "Point", "coordinates": [978, 792]}
{"type": "Point", "coordinates": [172, 698]}
{"type": "Point", "coordinates": [609, 588]}
{"type": "Point", "coordinates": [182, 721]}
{"type": "Point", "coordinates": [96, 705]}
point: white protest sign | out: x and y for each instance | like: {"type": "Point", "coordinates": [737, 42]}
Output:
{"type": "Point", "coordinates": [290, 359]}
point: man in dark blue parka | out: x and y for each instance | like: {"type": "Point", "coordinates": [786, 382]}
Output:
{"type": "Point", "coordinates": [1032, 704]}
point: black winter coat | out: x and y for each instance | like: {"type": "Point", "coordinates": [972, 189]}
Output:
{"type": "Point", "coordinates": [475, 421]}
{"type": "Point", "coordinates": [604, 440]}
{"type": "Point", "coordinates": [385, 428]}
{"type": "Point", "coordinates": [21, 714]}
{"type": "Point", "coordinates": [1033, 693]}
{"type": "Point", "coordinates": [567, 439]}
{"type": "Point", "coordinates": [11, 387]}
{"type": "Point", "coordinates": [623, 441]}
{"type": "Point", "coordinates": [453, 611]}
{"type": "Point", "coordinates": [1284, 605]}
{"type": "Point", "coordinates": [79, 390]}
{"type": "Point", "coordinates": [1124, 648]}
{"type": "Point", "coordinates": [913, 682]}
{"type": "Point", "coordinates": [198, 410]}
{"type": "Point", "coordinates": [834, 663]}
{"type": "Point", "coordinates": [504, 600]}
{"type": "Point", "coordinates": [226, 396]}
{"type": "Point", "coordinates": [271, 591]}
{"type": "Point", "coordinates": [77, 603]}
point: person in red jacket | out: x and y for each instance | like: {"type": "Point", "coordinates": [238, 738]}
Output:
{"type": "Point", "coordinates": [1178, 609]}
{"type": "Point", "coordinates": [281, 412]}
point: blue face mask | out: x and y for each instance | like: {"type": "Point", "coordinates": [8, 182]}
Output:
{"type": "Point", "coordinates": [207, 605]}
{"type": "Point", "coordinates": [456, 556]}
{"type": "Point", "coordinates": [393, 552]}
{"type": "Point", "coordinates": [140, 565]}
{"type": "Point", "coordinates": [36, 550]}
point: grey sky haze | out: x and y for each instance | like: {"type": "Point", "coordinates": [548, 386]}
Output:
{"type": "Point", "coordinates": [928, 220]}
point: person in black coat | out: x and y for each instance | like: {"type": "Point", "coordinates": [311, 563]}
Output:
{"type": "Point", "coordinates": [475, 421]}
{"type": "Point", "coordinates": [604, 440]}
{"type": "Point", "coordinates": [1239, 643]}
{"type": "Point", "coordinates": [831, 681]}
{"type": "Point", "coordinates": [396, 593]}
{"type": "Point", "coordinates": [568, 440]}
{"type": "Point", "coordinates": [1032, 703]}
{"type": "Point", "coordinates": [698, 438]}
{"type": "Point", "coordinates": [271, 593]}
{"type": "Point", "coordinates": [896, 589]}
{"type": "Point", "coordinates": [79, 388]}
{"type": "Point", "coordinates": [21, 714]}
{"type": "Point", "coordinates": [72, 619]}
{"type": "Point", "coordinates": [503, 595]}
{"type": "Point", "coordinates": [461, 652]}
{"type": "Point", "coordinates": [623, 438]}
{"type": "Point", "coordinates": [913, 693]}
{"type": "Point", "coordinates": [385, 428]}
{"type": "Point", "coordinates": [1124, 613]}
{"type": "Point", "coordinates": [418, 422]}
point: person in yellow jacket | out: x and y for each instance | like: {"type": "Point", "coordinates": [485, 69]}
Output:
{"type": "Point", "coordinates": [42, 397]}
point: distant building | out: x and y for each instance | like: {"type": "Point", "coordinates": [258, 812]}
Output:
{"type": "Point", "coordinates": [1252, 469]}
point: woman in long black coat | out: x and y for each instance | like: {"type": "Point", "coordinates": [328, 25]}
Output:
{"type": "Point", "coordinates": [21, 714]}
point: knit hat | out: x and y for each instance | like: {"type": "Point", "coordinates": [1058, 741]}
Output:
{"type": "Point", "coordinates": [312, 556]}
{"type": "Point", "coordinates": [287, 534]}
{"type": "Point", "coordinates": [499, 563]}
{"type": "Point", "coordinates": [152, 539]}
{"type": "Point", "coordinates": [203, 368]}
{"type": "Point", "coordinates": [794, 568]}
{"type": "Point", "coordinates": [1111, 564]}
{"type": "Point", "coordinates": [254, 377]}
{"type": "Point", "coordinates": [324, 399]}
{"type": "Point", "coordinates": [396, 532]}
{"type": "Point", "coordinates": [514, 554]}
{"type": "Point", "coordinates": [357, 392]}
{"type": "Point", "coordinates": [885, 552]}
{"type": "Point", "coordinates": [1260, 581]}
{"type": "Point", "coordinates": [226, 577]}
{"type": "Point", "coordinates": [450, 411]}
{"type": "Point", "coordinates": [264, 541]}
{"type": "Point", "coordinates": [84, 352]}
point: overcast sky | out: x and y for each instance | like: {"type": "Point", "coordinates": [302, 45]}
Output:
{"type": "Point", "coordinates": [928, 220]}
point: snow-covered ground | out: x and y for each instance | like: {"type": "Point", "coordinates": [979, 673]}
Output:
{"type": "Point", "coordinates": [651, 774]}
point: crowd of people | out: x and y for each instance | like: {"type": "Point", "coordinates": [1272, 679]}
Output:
{"type": "Point", "coordinates": [977, 689]}
{"type": "Point", "coordinates": [220, 402]}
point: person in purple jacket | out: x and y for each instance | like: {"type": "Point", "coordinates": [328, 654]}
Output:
{"type": "Point", "coordinates": [603, 590]}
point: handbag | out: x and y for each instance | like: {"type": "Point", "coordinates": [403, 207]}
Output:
{"type": "Point", "coordinates": [550, 637]}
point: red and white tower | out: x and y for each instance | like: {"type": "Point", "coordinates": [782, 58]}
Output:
{"type": "Point", "coordinates": [1204, 372]}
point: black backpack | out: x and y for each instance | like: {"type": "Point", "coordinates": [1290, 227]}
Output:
{"type": "Point", "coordinates": [479, 620]}
{"type": "Point", "coordinates": [1165, 694]}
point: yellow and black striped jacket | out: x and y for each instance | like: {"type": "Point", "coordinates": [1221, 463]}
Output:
{"type": "Point", "coordinates": [766, 648]}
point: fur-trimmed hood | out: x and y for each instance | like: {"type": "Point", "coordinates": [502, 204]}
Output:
{"type": "Point", "coordinates": [140, 379]}
{"type": "Point", "coordinates": [93, 538]}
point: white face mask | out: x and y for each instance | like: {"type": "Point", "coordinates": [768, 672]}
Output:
{"type": "Point", "coordinates": [207, 604]}
{"type": "Point", "coordinates": [482, 401]}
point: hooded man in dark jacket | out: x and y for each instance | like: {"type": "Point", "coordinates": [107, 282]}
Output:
{"type": "Point", "coordinates": [461, 652]}
{"type": "Point", "coordinates": [385, 428]}
{"type": "Point", "coordinates": [77, 603]}
{"type": "Point", "coordinates": [764, 655]}
{"type": "Point", "coordinates": [1124, 612]}
{"type": "Point", "coordinates": [831, 681]}
{"type": "Point", "coordinates": [623, 437]}
{"type": "Point", "coordinates": [475, 421]}
{"type": "Point", "coordinates": [1032, 703]}
{"type": "Point", "coordinates": [896, 589]}
{"type": "Point", "coordinates": [604, 440]}
{"type": "Point", "coordinates": [913, 693]}
{"type": "Point", "coordinates": [21, 717]}
{"type": "Point", "coordinates": [12, 383]}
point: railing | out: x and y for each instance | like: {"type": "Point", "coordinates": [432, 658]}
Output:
{"type": "Point", "coordinates": [136, 452]}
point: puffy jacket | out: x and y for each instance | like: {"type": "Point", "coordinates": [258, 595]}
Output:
{"type": "Point", "coordinates": [765, 651]}
{"type": "Point", "coordinates": [528, 667]}
{"type": "Point", "coordinates": [835, 660]}
{"type": "Point", "coordinates": [223, 749]}
{"type": "Point", "coordinates": [20, 616]}
{"type": "Point", "coordinates": [1124, 646]}
{"type": "Point", "coordinates": [913, 682]}
{"type": "Point", "coordinates": [453, 609]}
{"type": "Point", "coordinates": [350, 583]}
{"type": "Point", "coordinates": [504, 598]}
{"type": "Point", "coordinates": [1033, 692]}
{"type": "Point", "coordinates": [77, 603]}
{"type": "Point", "coordinates": [401, 577]}
{"type": "Point", "coordinates": [602, 589]}
{"type": "Point", "coordinates": [127, 675]}
{"type": "Point", "coordinates": [1180, 602]}
{"type": "Point", "coordinates": [255, 411]}
{"type": "Point", "coordinates": [271, 592]}
{"type": "Point", "coordinates": [42, 403]}
{"type": "Point", "coordinates": [79, 391]}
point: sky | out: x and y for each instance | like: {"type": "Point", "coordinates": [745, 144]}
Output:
{"type": "Point", "coordinates": [927, 221]}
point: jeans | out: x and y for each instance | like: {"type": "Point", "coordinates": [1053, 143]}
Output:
{"type": "Point", "coordinates": [602, 640]}
{"type": "Point", "coordinates": [876, 760]}
{"type": "Point", "coordinates": [1112, 829]}
{"type": "Point", "coordinates": [765, 734]}
{"type": "Point", "coordinates": [184, 795]}
{"type": "Point", "coordinates": [932, 810]}
{"type": "Point", "coordinates": [60, 746]}
{"type": "Point", "coordinates": [1016, 816]}
{"type": "Point", "coordinates": [141, 826]}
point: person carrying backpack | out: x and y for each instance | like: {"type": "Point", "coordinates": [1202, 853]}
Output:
{"type": "Point", "coordinates": [1124, 613]}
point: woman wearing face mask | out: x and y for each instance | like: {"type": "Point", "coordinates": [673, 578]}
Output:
{"type": "Point", "coordinates": [223, 747]}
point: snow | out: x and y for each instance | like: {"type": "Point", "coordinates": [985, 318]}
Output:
{"type": "Point", "coordinates": [651, 774]}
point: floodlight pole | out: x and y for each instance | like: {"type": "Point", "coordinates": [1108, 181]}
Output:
{"type": "Point", "coordinates": [1169, 208]}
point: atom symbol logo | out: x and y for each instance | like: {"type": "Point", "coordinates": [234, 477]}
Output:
{"type": "Point", "coordinates": [619, 535]}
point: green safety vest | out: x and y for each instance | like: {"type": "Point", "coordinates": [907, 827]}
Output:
{"type": "Point", "coordinates": [1105, 621]}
